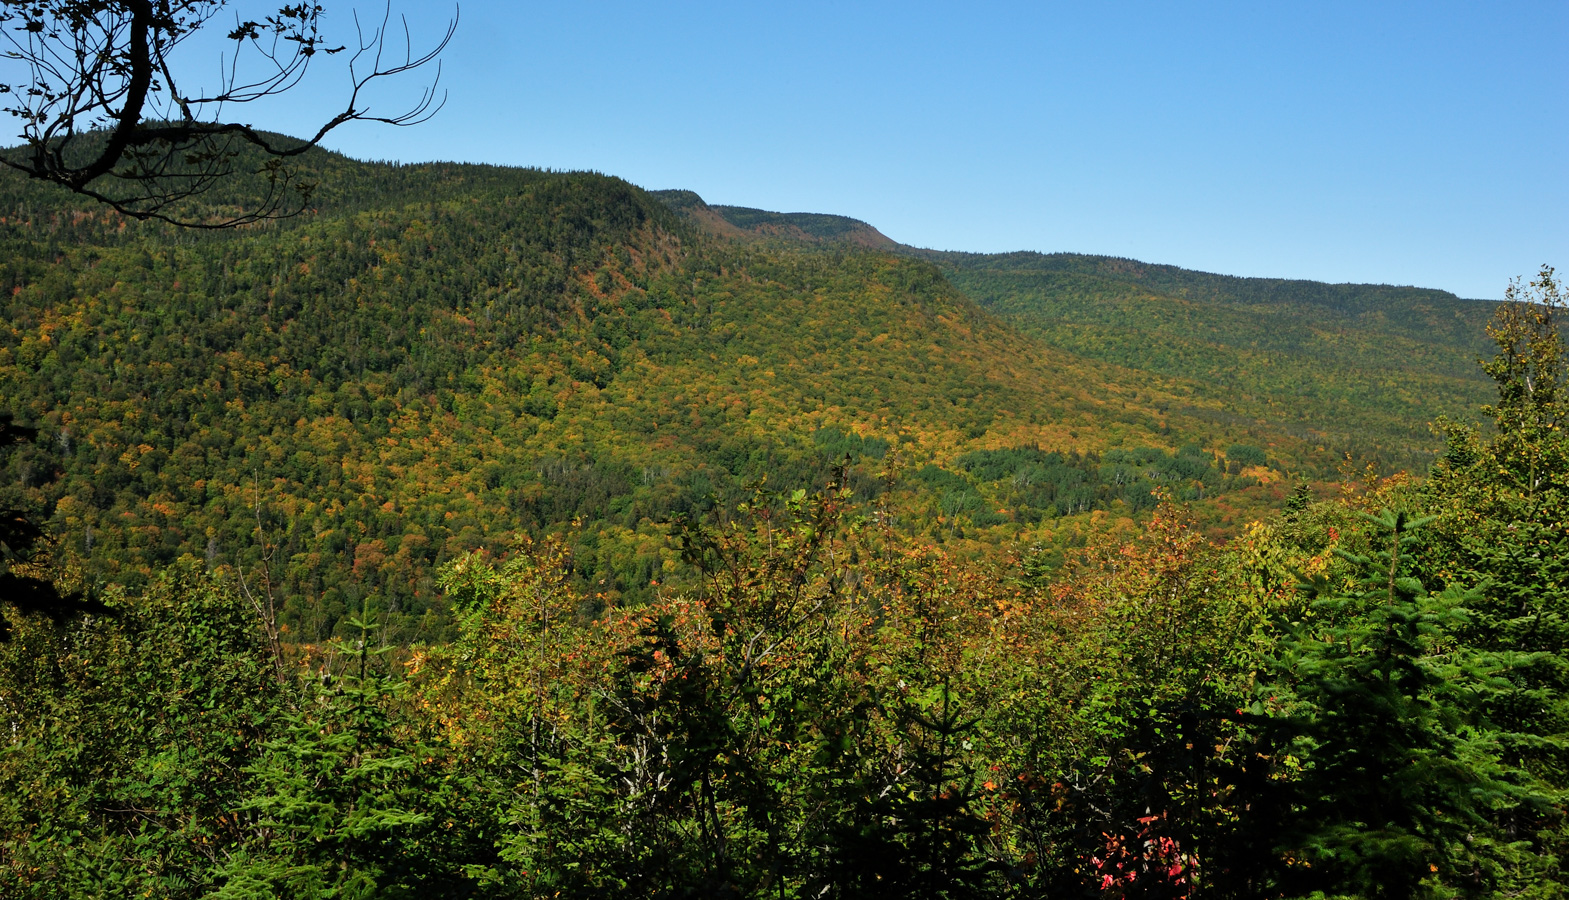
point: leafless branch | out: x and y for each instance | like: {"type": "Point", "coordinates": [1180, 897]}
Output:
{"type": "Point", "coordinates": [104, 116]}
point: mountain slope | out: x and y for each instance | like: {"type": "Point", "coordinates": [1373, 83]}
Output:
{"type": "Point", "coordinates": [1350, 368]}
{"type": "Point", "coordinates": [443, 355]}
{"type": "Point", "coordinates": [1363, 368]}
{"type": "Point", "coordinates": [747, 223]}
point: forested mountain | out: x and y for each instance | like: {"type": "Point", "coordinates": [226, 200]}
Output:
{"type": "Point", "coordinates": [1362, 368]}
{"type": "Point", "coordinates": [746, 222]}
{"type": "Point", "coordinates": [441, 355]}
{"type": "Point", "coordinates": [1350, 368]}
{"type": "Point", "coordinates": [517, 534]}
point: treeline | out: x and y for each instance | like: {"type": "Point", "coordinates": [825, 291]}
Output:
{"type": "Point", "coordinates": [1364, 696]}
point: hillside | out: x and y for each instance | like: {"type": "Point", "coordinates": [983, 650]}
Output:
{"type": "Point", "coordinates": [442, 355]}
{"type": "Point", "coordinates": [496, 533]}
{"type": "Point", "coordinates": [746, 223]}
{"type": "Point", "coordinates": [599, 518]}
{"type": "Point", "coordinates": [1358, 368]}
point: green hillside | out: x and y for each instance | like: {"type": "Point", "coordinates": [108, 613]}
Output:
{"type": "Point", "coordinates": [628, 546]}
{"type": "Point", "coordinates": [1358, 368]}
{"type": "Point", "coordinates": [759, 224]}
{"type": "Point", "coordinates": [441, 356]}
{"type": "Point", "coordinates": [1345, 368]}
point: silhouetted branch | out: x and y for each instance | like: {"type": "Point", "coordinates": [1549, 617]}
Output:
{"type": "Point", "coordinates": [104, 116]}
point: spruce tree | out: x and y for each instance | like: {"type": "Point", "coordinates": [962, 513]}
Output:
{"type": "Point", "coordinates": [1378, 715]}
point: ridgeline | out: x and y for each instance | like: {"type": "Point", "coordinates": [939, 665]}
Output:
{"type": "Point", "coordinates": [440, 356]}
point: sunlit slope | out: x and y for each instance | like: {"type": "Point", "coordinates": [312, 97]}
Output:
{"type": "Point", "coordinates": [1349, 368]}
{"type": "Point", "coordinates": [442, 355]}
{"type": "Point", "coordinates": [1363, 368]}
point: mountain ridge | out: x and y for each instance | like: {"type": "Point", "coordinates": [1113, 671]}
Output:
{"type": "Point", "coordinates": [1286, 351]}
{"type": "Point", "coordinates": [443, 355]}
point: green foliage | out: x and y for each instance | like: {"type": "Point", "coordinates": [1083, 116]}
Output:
{"type": "Point", "coordinates": [778, 732]}
{"type": "Point", "coordinates": [596, 356]}
{"type": "Point", "coordinates": [835, 444]}
{"type": "Point", "coordinates": [922, 835]}
{"type": "Point", "coordinates": [1133, 772]}
{"type": "Point", "coordinates": [315, 370]}
{"type": "Point", "coordinates": [1358, 368]}
{"type": "Point", "coordinates": [1381, 710]}
{"type": "Point", "coordinates": [1245, 455]}
{"type": "Point", "coordinates": [344, 803]}
{"type": "Point", "coordinates": [557, 632]}
{"type": "Point", "coordinates": [127, 739]}
{"type": "Point", "coordinates": [21, 544]}
{"type": "Point", "coordinates": [1501, 501]}
{"type": "Point", "coordinates": [825, 710]}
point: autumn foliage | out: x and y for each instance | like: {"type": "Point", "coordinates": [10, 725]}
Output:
{"type": "Point", "coordinates": [798, 677]}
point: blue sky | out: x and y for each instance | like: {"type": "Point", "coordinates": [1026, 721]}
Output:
{"type": "Point", "coordinates": [1407, 143]}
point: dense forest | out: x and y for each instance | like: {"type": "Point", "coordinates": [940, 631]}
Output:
{"type": "Point", "coordinates": [506, 533]}
{"type": "Point", "coordinates": [1365, 367]}
{"type": "Point", "coordinates": [334, 394]}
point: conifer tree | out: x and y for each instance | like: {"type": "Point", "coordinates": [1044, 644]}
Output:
{"type": "Point", "coordinates": [1502, 500]}
{"type": "Point", "coordinates": [1379, 709]}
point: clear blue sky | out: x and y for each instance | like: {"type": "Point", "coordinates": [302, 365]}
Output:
{"type": "Point", "coordinates": [1409, 143]}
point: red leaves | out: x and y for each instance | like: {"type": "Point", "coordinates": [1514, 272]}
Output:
{"type": "Point", "coordinates": [1153, 861]}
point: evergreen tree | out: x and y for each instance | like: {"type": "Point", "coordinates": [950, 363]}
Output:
{"type": "Point", "coordinates": [1377, 708]}
{"type": "Point", "coordinates": [1503, 524]}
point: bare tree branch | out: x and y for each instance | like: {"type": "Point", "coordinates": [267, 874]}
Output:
{"type": "Point", "coordinates": [103, 114]}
